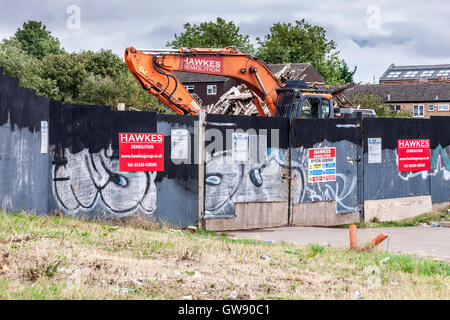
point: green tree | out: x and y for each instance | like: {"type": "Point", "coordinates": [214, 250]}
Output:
{"type": "Point", "coordinates": [37, 40]}
{"type": "Point", "coordinates": [28, 69]}
{"type": "Point", "coordinates": [69, 72]}
{"type": "Point", "coordinates": [371, 101]}
{"type": "Point", "coordinates": [346, 74]}
{"type": "Point", "coordinates": [134, 96]}
{"type": "Point", "coordinates": [103, 63]}
{"type": "Point", "coordinates": [98, 90]}
{"type": "Point", "coordinates": [303, 42]}
{"type": "Point", "coordinates": [218, 34]}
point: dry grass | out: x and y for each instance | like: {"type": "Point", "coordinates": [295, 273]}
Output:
{"type": "Point", "coordinates": [64, 258]}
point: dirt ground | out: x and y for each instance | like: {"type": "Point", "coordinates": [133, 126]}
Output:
{"type": "Point", "coordinates": [65, 258]}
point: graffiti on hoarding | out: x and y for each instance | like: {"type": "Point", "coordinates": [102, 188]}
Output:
{"type": "Point", "coordinates": [229, 182]}
{"type": "Point", "coordinates": [342, 189]}
{"type": "Point", "coordinates": [84, 181]}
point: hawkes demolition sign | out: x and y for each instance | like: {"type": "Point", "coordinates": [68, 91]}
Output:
{"type": "Point", "coordinates": [212, 65]}
{"type": "Point", "coordinates": [141, 152]}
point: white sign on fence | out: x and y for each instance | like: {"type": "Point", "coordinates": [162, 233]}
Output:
{"type": "Point", "coordinates": [180, 144]}
{"type": "Point", "coordinates": [44, 137]}
{"type": "Point", "coordinates": [374, 150]}
{"type": "Point", "coordinates": [240, 146]}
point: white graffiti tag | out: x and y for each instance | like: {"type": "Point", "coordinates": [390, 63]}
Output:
{"type": "Point", "coordinates": [88, 179]}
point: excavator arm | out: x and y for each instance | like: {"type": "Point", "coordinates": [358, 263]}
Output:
{"type": "Point", "coordinates": [154, 70]}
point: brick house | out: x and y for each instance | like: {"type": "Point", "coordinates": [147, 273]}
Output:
{"type": "Point", "coordinates": [421, 99]}
{"type": "Point", "coordinates": [415, 74]}
{"type": "Point", "coordinates": [211, 87]}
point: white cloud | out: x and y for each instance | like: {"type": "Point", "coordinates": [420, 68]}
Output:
{"type": "Point", "coordinates": [411, 32]}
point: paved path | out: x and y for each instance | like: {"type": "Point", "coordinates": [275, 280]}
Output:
{"type": "Point", "coordinates": [422, 241]}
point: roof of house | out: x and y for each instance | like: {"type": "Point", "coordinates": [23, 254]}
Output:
{"type": "Point", "coordinates": [407, 92]}
{"type": "Point", "coordinates": [188, 77]}
{"type": "Point", "coordinates": [415, 73]}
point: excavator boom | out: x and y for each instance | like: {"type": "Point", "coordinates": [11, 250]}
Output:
{"type": "Point", "coordinates": [154, 70]}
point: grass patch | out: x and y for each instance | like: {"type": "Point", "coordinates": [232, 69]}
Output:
{"type": "Point", "coordinates": [133, 260]}
{"type": "Point", "coordinates": [410, 222]}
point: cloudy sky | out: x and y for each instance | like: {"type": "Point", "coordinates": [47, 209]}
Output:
{"type": "Point", "coordinates": [369, 34]}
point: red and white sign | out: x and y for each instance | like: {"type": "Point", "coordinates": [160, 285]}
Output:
{"type": "Point", "coordinates": [414, 155]}
{"type": "Point", "coordinates": [141, 152]}
{"type": "Point", "coordinates": [321, 165]}
{"type": "Point", "coordinates": [202, 64]}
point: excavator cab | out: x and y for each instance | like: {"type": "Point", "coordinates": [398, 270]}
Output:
{"type": "Point", "coordinates": [297, 100]}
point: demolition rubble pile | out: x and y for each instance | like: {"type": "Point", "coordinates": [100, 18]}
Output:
{"type": "Point", "coordinates": [239, 99]}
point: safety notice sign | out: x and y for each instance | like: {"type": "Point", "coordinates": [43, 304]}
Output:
{"type": "Point", "coordinates": [321, 165]}
{"type": "Point", "coordinates": [414, 155]}
{"type": "Point", "coordinates": [141, 152]}
{"type": "Point", "coordinates": [179, 144]}
{"type": "Point", "coordinates": [374, 150]}
{"type": "Point", "coordinates": [239, 151]}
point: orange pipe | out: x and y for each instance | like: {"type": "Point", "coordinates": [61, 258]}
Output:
{"type": "Point", "coordinates": [353, 237]}
{"type": "Point", "coordinates": [374, 242]}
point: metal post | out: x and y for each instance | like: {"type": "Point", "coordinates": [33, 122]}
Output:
{"type": "Point", "coordinates": [200, 145]}
{"type": "Point", "coordinates": [360, 167]}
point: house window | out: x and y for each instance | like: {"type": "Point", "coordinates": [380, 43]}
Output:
{"type": "Point", "coordinates": [393, 74]}
{"type": "Point", "coordinates": [431, 107]}
{"type": "Point", "coordinates": [443, 73]}
{"type": "Point", "coordinates": [443, 107]}
{"type": "Point", "coordinates": [211, 89]}
{"type": "Point", "coordinates": [427, 73]}
{"type": "Point", "coordinates": [418, 112]}
{"type": "Point", "coordinates": [410, 74]}
{"type": "Point", "coordinates": [395, 107]}
{"type": "Point", "coordinates": [190, 89]}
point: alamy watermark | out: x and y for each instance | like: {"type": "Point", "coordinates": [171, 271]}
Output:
{"type": "Point", "coordinates": [73, 21]}
{"type": "Point", "coordinates": [373, 21]}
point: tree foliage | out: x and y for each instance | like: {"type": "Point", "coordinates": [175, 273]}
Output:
{"type": "Point", "coordinates": [346, 74]}
{"type": "Point", "coordinates": [27, 68]}
{"type": "Point", "coordinates": [303, 42]}
{"type": "Point", "coordinates": [36, 40]}
{"type": "Point", "coordinates": [218, 34]}
{"type": "Point", "coordinates": [371, 101]}
{"type": "Point", "coordinates": [69, 72]}
{"type": "Point", "coordinates": [97, 78]}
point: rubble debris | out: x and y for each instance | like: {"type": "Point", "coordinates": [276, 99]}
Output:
{"type": "Point", "coordinates": [357, 295]}
{"type": "Point", "coordinates": [385, 260]}
{"type": "Point", "coordinates": [191, 229]}
{"type": "Point", "coordinates": [265, 257]}
{"type": "Point", "coordinates": [435, 225]}
{"type": "Point", "coordinates": [240, 100]}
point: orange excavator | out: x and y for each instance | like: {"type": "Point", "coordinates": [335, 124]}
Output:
{"type": "Point", "coordinates": [154, 70]}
